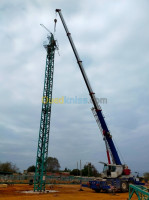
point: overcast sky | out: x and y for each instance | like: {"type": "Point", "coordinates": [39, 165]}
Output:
{"type": "Point", "coordinates": [112, 39]}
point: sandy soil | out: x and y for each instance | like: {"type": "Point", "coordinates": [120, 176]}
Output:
{"type": "Point", "coordinates": [65, 192]}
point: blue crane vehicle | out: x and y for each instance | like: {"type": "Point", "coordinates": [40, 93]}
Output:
{"type": "Point", "coordinates": [115, 174]}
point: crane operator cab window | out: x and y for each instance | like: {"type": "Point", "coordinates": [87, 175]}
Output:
{"type": "Point", "coordinates": [108, 169]}
{"type": "Point", "coordinates": [112, 171]}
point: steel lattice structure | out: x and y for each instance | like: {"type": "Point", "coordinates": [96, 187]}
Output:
{"type": "Point", "coordinates": [140, 191]}
{"type": "Point", "coordinates": [42, 150]}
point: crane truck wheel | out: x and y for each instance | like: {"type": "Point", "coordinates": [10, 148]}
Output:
{"type": "Point", "coordinates": [124, 186]}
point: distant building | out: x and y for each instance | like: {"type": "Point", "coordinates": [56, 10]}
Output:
{"type": "Point", "coordinates": [58, 174]}
{"type": "Point", "coordinates": [31, 173]}
{"type": "Point", "coordinates": [24, 171]}
{"type": "Point", "coordinates": [65, 173]}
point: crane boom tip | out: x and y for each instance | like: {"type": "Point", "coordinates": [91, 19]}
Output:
{"type": "Point", "coordinates": [58, 10]}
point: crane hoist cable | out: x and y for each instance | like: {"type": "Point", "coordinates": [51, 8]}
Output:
{"type": "Point", "coordinates": [55, 21]}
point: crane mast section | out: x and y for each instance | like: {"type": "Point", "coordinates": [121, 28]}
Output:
{"type": "Point", "coordinates": [43, 141]}
{"type": "Point", "coordinates": [104, 127]}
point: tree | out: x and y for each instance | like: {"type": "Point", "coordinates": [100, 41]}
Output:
{"type": "Point", "coordinates": [8, 167]}
{"type": "Point", "coordinates": [89, 170]}
{"type": "Point", "coordinates": [31, 169]}
{"type": "Point", "coordinates": [146, 175]}
{"type": "Point", "coordinates": [67, 170]}
{"type": "Point", "coordinates": [75, 172]}
{"type": "Point", "coordinates": [52, 164]}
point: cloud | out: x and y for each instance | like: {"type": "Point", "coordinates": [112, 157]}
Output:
{"type": "Point", "coordinates": [112, 40]}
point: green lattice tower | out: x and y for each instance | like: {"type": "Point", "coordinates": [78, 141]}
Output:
{"type": "Point", "coordinates": [42, 150]}
{"type": "Point", "coordinates": [140, 191]}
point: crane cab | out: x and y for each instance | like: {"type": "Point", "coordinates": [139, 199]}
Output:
{"type": "Point", "coordinates": [112, 171]}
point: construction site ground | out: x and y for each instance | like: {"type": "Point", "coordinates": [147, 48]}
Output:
{"type": "Point", "coordinates": [63, 192]}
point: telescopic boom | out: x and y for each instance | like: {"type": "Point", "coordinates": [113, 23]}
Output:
{"type": "Point", "coordinates": [106, 134]}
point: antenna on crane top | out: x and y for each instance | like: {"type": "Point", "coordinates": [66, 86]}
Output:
{"type": "Point", "coordinates": [45, 28]}
{"type": "Point", "coordinates": [57, 46]}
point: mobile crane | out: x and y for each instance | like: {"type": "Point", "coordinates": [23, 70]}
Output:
{"type": "Point", "coordinates": [115, 174]}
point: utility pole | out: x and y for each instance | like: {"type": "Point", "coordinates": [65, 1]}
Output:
{"type": "Point", "coordinates": [81, 176]}
{"type": "Point", "coordinates": [77, 169]}
{"type": "Point", "coordinates": [88, 169]}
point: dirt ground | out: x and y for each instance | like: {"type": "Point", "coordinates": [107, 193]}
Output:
{"type": "Point", "coordinates": [65, 192]}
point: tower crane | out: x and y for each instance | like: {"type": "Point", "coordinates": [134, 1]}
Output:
{"type": "Point", "coordinates": [43, 141]}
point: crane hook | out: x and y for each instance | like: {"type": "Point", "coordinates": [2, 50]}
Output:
{"type": "Point", "coordinates": [55, 20]}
